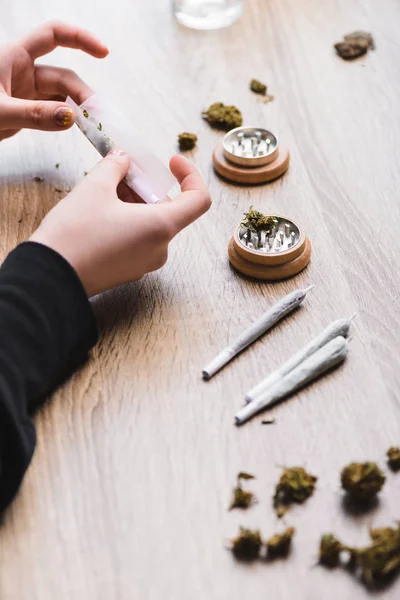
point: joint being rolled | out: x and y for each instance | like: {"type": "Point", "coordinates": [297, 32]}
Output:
{"type": "Point", "coordinates": [106, 128]}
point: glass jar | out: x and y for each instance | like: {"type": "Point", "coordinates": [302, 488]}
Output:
{"type": "Point", "coordinates": [207, 14]}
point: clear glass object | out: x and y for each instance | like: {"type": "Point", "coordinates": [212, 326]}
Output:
{"type": "Point", "coordinates": [207, 14]}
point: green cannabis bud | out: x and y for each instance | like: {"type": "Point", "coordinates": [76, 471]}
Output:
{"type": "Point", "coordinates": [187, 141]}
{"type": "Point", "coordinates": [376, 564]}
{"type": "Point", "coordinates": [393, 455]}
{"type": "Point", "coordinates": [257, 87]}
{"type": "Point", "coordinates": [241, 497]}
{"type": "Point", "coordinates": [354, 45]}
{"type": "Point", "coordinates": [329, 551]}
{"type": "Point", "coordinates": [222, 116]}
{"type": "Point", "coordinates": [247, 545]}
{"type": "Point", "coordinates": [381, 559]}
{"type": "Point", "coordinates": [362, 481]}
{"type": "Point", "coordinates": [295, 485]}
{"type": "Point", "coordinates": [279, 544]}
{"type": "Point", "coordinates": [257, 221]}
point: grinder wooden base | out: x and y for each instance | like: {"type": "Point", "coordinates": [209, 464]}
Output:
{"type": "Point", "coordinates": [251, 175]}
{"type": "Point", "coordinates": [268, 272]}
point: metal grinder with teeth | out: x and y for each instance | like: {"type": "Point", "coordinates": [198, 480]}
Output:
{"type": "Point", "coordinates": [278, 252]}
{"type": "Point", "coordinates": [250, 155]}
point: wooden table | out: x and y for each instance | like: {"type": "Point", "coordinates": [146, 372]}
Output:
{"type": "Point", "coordinates": [128, 491]}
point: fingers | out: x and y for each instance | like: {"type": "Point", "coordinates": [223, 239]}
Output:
{"type": "Point", "coordinates": [193, 201]}
{"type": "Point", "coordinates": [54, 81]}
{"type": "Point", "coordinates": [16, 113]}
{"type": "Point", "coordinates": [7, 133]}
{"type": "Point", "coordinates": [110, 170]}
{"type": "Point", "coordinates": [46, 38]}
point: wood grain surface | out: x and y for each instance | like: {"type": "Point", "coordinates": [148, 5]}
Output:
{"type": "Point", "coordinates": [127, 495]}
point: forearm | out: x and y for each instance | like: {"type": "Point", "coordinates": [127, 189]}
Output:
{"type": "Point", "coordinates": [46, 330]}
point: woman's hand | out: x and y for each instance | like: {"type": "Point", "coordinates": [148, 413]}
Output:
{"type": "Point", "coordinates": [109, 241]}
{"type": "Point", "coordinates": [32, 95]}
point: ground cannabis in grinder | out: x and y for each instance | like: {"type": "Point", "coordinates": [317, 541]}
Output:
{"type": "Point", "coordinates": [242, 498]}
{"type": "Point", "coordinates": [257, 221]}
{"type": "Point", "coordinates": [222, 116]}
{"type": "Point", "coordinates": [393, 455]}
{"type": "Point", "coordinates": [362, 481]}
{"type": "Point", "coordinates": [187, 141]}
{"type": "Point", "coordinates": [247, 545]}
{"type": "Point", "coordinates": [295, 485]}
{"type": "Point", "coordinates": [279, 544]}
{"type": "Point", "coordinates": [354, 45]}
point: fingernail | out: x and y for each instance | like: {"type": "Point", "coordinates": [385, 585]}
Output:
{"type": "Point", "coordinates": [63, 116]}
{"type": "Point", "coordinates": [117, 151]}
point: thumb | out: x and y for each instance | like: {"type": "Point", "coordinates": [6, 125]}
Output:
{"type": "Point", "coordinates": [35, 114]}
{"type": "Point", "coordinates": [110, 170]}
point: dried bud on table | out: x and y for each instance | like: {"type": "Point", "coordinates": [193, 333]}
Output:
{"type": "Point", "coordinates": [362, 481]}
{"type": "Point", "coordinates": [257, 87]}
{"type": "Point", "coordinates": [247, 545]}
{"type": "Point", "coordinates": [187, 141]}
{"type": "Point", "coordinates": [375, 564]}
{"type": "Point", "coordinates": [244, 475]}
{"type": "Point", "coordinates": [222, 116]}
{"type": "Point", "coordinates": [329, 551]}
{"type": "Point", "coordinates": [280, 543]}
{"type": "Point", "coordinates": [241, 497]}
{"type": "Point", "coordinates": [380, 560]}
{"type": "Point", "coordinates": [295, 485]}
{"type": "Point", "coordinates": [393, 455]}
{"type": "Point", "coordinates": [354, 45]}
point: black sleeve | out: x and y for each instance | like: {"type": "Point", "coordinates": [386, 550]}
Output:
{"type": "Point", "coordinates": [46, 331]}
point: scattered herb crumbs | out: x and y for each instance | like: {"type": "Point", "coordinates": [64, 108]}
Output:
{"type": "Point", "coordinates": [57, 165]}
{"type": "Point", "coordinates": [295, 485]}
{"type": "Point", "coordinates": [244, 475]}
{"type": "Point", "coordinates": [268, 422]}
{"type": "Point", "coordinates": [267, 99]}
{"type": "Point", "coordinates": [258, 87]}
{"type": "Point", "coordinates": [362, 481]}
{"type": "Point", "coordinates": [187, 141]}
{"type": "Point", "coordinates": [85, 113]}
{"type": "Point", "coordinates": [222, 116]}
{"type": "Point", "coordinates": [355, 45]}
{"type": "Point", "coordinates": [38, 179]}
{"type": "Point", "coordinates": [393, 455]}
{"type": "Point", "coordinates": [99, 126]}
{"type": "Point", "coordinates": [247, 545]}
{"type": "Point", "coordinates": [85, 173]}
